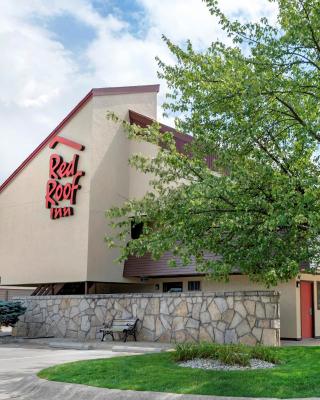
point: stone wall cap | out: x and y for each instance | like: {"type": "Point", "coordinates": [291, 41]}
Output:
{"type": "Point", "coordinates": [266, 293]}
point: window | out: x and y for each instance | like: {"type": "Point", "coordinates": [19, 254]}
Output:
{"type": "Point", "coordinates": [172, 287]}
{"type": "Point", "coordinates": [136, 229]}
{"type": "Point", "coordinates": [193, 286]}
{"type": "Point", "coordinates": [318, 295]}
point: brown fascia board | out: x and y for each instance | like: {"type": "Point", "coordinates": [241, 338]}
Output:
{"type": "Point", "coordinates": [143, 121]}
{"type": "Point", "coordinates": [181, 138]}
{"type": "Point", "coordinates": [72, 113]}
{"type": "Point", "coordinates": [146, 266]}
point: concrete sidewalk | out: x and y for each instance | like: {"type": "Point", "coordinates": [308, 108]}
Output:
{"type": "Point", "coordinates": [19, 364]}
{"type": "Point", "coordinates": [33, 388]}
{"type": "Point", "coordinates": [303, 342]}
{"type": "Point", "coordinates": [67, 343]}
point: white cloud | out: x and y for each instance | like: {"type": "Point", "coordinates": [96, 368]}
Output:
{"type": "Point", "coordinates": [41, 80]}
{"type": "Point", "coordinates": [181, 19]}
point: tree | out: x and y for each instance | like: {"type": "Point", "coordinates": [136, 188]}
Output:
{"type": "Point", "coordinates": [10, 311]}
{"type": "Point", "coordinates": [255, 106]}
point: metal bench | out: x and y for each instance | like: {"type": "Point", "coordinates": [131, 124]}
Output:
{"type": "Point", "coordinates": [126, 326]}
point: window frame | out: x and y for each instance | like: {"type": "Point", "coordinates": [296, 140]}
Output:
{"type": "Point", "coordinates": [192, 285]}
{"type": "Point", "coordinates": [178, 283]}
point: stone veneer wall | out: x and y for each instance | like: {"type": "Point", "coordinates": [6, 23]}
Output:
{"type": "Point", "coordinates": [230, 317]}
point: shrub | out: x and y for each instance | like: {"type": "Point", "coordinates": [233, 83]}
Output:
{"type": "Point", "coordinates": [10, 312]}
{"type": "Point", "coordinates": [231, 354]}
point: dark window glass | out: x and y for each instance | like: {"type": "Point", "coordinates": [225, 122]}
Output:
{"type": "Point", "coordinates": [193, 286]}
{"type": "Point", "coordinates": [136, 229]}
{"type": "Point", "coordinates": [318, 295]}
{"type": "Point", "coordinates": [172, 287]}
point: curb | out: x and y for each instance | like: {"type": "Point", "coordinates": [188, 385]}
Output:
{"type": "Point", "coordinates": [128, 347]}
{"type": "Point", "coordinates": [34, 388]}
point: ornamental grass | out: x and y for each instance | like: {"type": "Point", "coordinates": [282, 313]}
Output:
{"type": "Point", "coordinates": [230, 354]}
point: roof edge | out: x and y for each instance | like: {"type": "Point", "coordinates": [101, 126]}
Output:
{"type": "Point", "coordinates": [75, 110]}
{"type": "Point", "coordinates": [180, 138]}
{"type": "Point", "coordinates": [126, 90]}
{"type": "Point", "coordinates": [143, 121]}
{"type": "Point", "coordinates": [46, 140]}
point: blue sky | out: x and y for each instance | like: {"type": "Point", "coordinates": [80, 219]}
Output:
{"type": "Point", "coordinates": [76, 36]}
{"type": "Point", "coordinates": [53, 52]}
{"type": "Point", "coordinates": [70, 32]}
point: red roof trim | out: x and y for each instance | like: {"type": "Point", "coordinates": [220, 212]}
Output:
{"type": "Point", "coordinates": [67, 142]}
{"type": "Point", "coordinates": [93, 92]}
{"type": "Point", "coordinates": [47, 140]}
{"type": "Point", "coordinates": [126, 90]}
{"type": "Point", "coordinates": [143, 121]}
{"type": "Point", "coordinates": [181, 138]}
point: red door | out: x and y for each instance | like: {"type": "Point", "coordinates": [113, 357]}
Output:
{"type": "Point", "coordinates": [306, 304]}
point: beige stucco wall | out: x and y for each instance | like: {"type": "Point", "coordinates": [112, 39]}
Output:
{"type": "Point", "coordinates": [10, 292]}
{"type": "Point", "coordinates": [33, 248]}
{"type": "Point", "coordinates": [112, 179]}
{"type": "Point", "coordinates": [139, 182]}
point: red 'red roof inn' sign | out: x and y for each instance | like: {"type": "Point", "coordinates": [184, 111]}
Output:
{"type": "Point", "coordinates": [58, 169]}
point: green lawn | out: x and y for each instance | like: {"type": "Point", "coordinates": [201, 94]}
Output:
{"type": "Point", "coordinates": [297, 376]}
